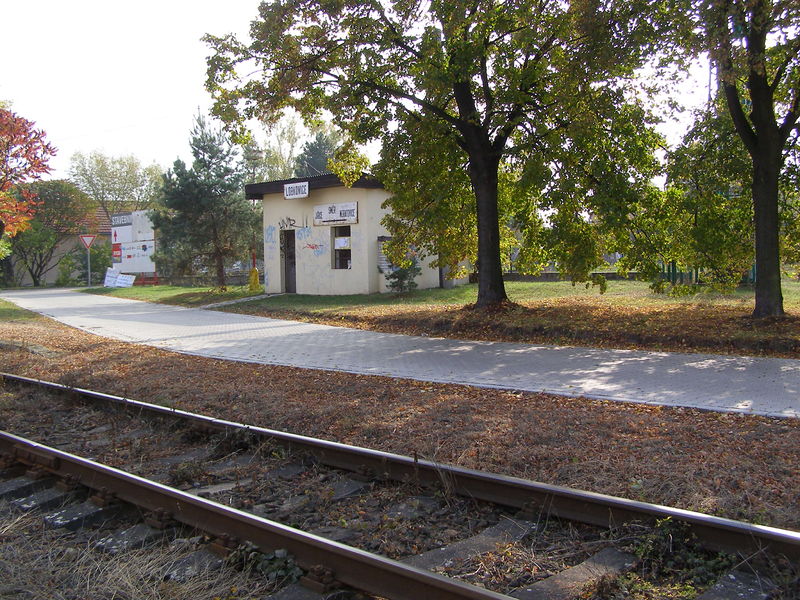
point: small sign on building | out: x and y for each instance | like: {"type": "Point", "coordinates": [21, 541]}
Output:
{"type": "Point", "coordinates": [342, 213]}
{"type": "Point", "coordinates": [295, 190]}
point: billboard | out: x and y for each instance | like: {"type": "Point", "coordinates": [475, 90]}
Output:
{"type": "Point", "coordinates": [132, 242]}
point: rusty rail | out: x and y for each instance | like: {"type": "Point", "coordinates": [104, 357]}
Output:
{"type": "Point", "coordinates": [362, 570]}
{"type": "Point", "coordinates": [715, 533]}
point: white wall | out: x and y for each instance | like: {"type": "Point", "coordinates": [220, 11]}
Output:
{"type": "Point", "coordinates": [313, 244]}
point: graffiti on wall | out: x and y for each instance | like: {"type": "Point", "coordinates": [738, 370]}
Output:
{"type": "Point", "coordinates": [318, 249]}
{"type": "Point", "coordinates": [269, 235]}
{"type": "Point", "coordinates": [290, 223]}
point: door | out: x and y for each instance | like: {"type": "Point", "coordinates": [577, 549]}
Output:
{"type": "Point", "coordinates": [288, 253]}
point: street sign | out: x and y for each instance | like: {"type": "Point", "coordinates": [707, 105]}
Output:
{"type": "Point", "coordinates": [87, 240]}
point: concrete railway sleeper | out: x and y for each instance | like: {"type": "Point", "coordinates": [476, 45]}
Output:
{"type": "Point", "coordinates": [372, 466]}
{"type": "Point", "coordinates": [329, 561]}
{"type": "Point", "coordinates": [531, 497]}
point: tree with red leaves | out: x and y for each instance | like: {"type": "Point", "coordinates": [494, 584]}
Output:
{"type": "Point", "coordinates": [24, 153]}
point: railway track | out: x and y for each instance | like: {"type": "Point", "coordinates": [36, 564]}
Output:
{"type": "Point", "coordinates": [333, 561]}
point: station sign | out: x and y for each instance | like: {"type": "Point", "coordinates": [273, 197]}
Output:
{"type": "Point", "coordinates": [295, 190]}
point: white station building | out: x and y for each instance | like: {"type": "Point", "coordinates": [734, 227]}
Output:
{"type": "Point", "coordinates": [323, 238]}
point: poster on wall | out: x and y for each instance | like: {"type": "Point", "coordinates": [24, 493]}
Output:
{"type": "Point", "coordinates": [340, 213]}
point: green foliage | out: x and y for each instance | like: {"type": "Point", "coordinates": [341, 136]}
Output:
{"type": "Point", "coordinates": [671, 550]}
{"type": "Point", "coordinates": [203, 217]}
{"type": "Point", "coordinates": [314, 157]}
{"type": "Point", "coordinates": [72, 268]}
{"type": "Point", "coordinates": [63, 211]}
{"type": "Point", "coordinates": [459, 92]}
{"type": "Point", "coordinates": [117, 184]}
{"type": "Point", "coordinates": [401, 279]}
{"type": "Point", "coordinates": [276, 158]}
{"type": "Point", "coordinates": [754, 47]}
{"type": "Point", "coordinates": [276, 567]}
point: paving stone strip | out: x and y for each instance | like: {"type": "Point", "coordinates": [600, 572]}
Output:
{"type": "Point", "coordinates": [765, 386]}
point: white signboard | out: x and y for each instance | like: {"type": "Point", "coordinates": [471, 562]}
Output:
{"type": "Point", "coordinates": [336, 214]}
{"type": "Point", "coordinates": [117, 279]}
{"type": "Point", "coordinates": [131, 227]}
{"type": "Point", "coordinates": [137, 257]}
{"type": "Point", "coordinates": [142, 226]}
{"type": "Point", "coordinates": [121, 228]}
{"type": "Point", "coordinates": [125, 280]}
{"type": "Point", "coordinates": [111, 278]}
{"type": "Point", "coordinates": [295, 190]}
{"type": "Point", "coordinates": [132, 242]}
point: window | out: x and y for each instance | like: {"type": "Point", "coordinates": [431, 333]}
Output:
{"type": "Point", "coordinates": [341, 247]}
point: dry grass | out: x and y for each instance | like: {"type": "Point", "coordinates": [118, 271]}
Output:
{"type": "Point", "coordinates": [38, 563]}
{"type": "Point", "coordinates": [736, 466]}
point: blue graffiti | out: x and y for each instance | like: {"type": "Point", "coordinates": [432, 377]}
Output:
{"type": "Point", "coordinates": [303, 233]}
{"type": "Point", "coordinates": [269, 235]}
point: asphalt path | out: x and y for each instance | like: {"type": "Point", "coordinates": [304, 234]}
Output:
{"type": "Point", "coordinates": [764, 386]}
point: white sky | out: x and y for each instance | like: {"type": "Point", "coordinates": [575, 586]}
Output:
{"type": "Point", "coordinates": [122, 78]}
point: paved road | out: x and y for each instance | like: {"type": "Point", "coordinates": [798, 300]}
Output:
{"type": "Point", "coordinates": [729, 383]}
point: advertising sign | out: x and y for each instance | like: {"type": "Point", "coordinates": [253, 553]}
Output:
{"type": "Point", "coordinates": [136, 257]}
{"type": "Point", "coordinates": [121, 228]}
{"type": "Point", "coordinates": [336, 214]}
{"type": "Point", "coordinates": [132, 242]}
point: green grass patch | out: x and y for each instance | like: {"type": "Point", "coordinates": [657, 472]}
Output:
{"type": "Point", "coordinates": [181, 296]}
{"type": "Point", "coordinates": [10, 312]}
{"type": "Point", "coordinates": [635, 294]}
{"type": "Point", "coordinates": [620, 293]}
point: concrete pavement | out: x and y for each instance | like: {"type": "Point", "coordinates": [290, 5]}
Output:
{"type": "Point", "coordinates": [765, 386]}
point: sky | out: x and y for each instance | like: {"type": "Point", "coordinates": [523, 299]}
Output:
{"type": "Point", "coordinates": [118, 77]}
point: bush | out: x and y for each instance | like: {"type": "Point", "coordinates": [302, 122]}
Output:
{"type": "Point", "coordinates": [402, 278]}
{"type": "Point", "coordinates": [72, 268]}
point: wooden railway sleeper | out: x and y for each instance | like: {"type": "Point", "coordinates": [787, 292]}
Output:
{"type": "Point", "coordinates": [320, 579]}
{"type": "Point", "coordinates": [223, 545]}
{"type": "Point", "coordinates": [160, 519]}
{"type": "Point", "coordinates": [103, 497]}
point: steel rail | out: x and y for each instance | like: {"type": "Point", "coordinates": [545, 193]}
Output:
{"type": "Point", "coordinates": [716, 533]}
{"type": "Point", "coordinates": [362, 570]}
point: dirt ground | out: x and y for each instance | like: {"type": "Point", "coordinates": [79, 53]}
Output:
{"type": "Point", "coordinates": [735, 466]}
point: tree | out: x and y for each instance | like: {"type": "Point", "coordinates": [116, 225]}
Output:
{"type": "Point", "coordinates": [313, 159]}
{"type": "Point", "coordinates": [62, 212]}
{"type": "Point", "coordinates": [488, 76]}
{"type": "Point", "coordinates": [24, 153]}
{"type": "Point", "coordinates": [755, 46]}
{"type": "Point", "coordinates": [117, 184]}
{"type": "Point", "coordinates": [72, 268]}
{"type": "Point", "coordinates": [702, 222]}
{"type": "Point", "coordinates": [202, 213]}
{"type": "Point", "coordinates": [276, 158]}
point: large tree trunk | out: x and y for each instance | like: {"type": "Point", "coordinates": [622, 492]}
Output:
{"type": "Point", "coordinates": [220, 264]}
{"type": "Point", "coordinates": [483, 169]}
{"type": "Point", "coordinates": [769, 297]}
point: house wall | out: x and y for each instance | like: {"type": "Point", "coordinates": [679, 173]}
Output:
{"type": "Point", "coordinates": [22, 276]}
{"type": "Point", "coordinates": [314, 244]}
